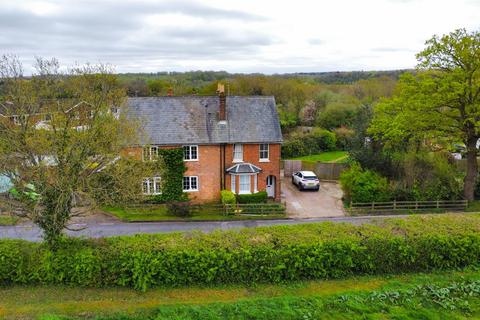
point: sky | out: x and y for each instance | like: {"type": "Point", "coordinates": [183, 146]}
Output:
{"type": "Point", "coordinates": [246, 36]}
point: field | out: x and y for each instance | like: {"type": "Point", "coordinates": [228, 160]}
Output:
{"type": "Point", "coordinates": [454, 295]}
{"type": "Point", "coordinates": [328, 157]}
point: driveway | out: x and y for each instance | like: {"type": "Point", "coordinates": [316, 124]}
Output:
{"type": "Point", "coordinates": [327, 202]}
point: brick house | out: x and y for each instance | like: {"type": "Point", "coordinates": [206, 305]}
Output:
{"type": "Point", "coordinates": [229, 142]}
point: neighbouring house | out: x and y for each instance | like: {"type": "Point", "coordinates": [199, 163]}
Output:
{"type": "Point", "coordinates": [229, 142]}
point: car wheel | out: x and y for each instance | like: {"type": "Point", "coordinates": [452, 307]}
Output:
{"type": "Point", "coordinates": [300, 186]}
{"type": "Point", "coordinates": [318, 188]}
{"type": "Point", "coordinates": [293, 180]}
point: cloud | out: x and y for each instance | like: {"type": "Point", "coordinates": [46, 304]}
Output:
{"type": "Point", "coordinates": [238, 36]}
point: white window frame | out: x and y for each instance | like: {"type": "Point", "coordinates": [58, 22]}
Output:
{"type": "Point", "coordinates": [255, 183]}
{"type": "Point", "coordinates": [153, 186]}
{"type": "Point", "coordinates": [260, 151]}
{"type": "Point", "coordinates": [189, 148]}
{"type": "Point", "coordinates": [190, 178]}
{"type": "Point", "coordinates": [233, 183]}
{"type": "Point", "coordinates": [238, 152]}
{"type": "Point", "coordinates": [245, 191]}
{"type": "Point", "coordinates": [151, 154]}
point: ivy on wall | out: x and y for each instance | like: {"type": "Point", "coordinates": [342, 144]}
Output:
{"type": "Point", "coordinates": [172, 168]}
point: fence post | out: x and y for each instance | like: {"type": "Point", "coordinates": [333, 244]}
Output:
{"type": "Point", "coordinates": [395, 204]}
{"type": "Point", "coordinates": [373, 205]}
{"type": "Point", "coordinates": [438, 204]}
{"type": "Point", "coordinates": [416, 204]}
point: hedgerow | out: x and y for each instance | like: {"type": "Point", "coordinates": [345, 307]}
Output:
{"type": "Point", "coordinates": [269, 254]}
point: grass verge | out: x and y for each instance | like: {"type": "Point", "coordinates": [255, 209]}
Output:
{"type": "Point", "coordinates": [160, 213]}
{"type": "Point", "coordinates": [8, 220]}
{"type": "Point", "coordinates": [329, 157]}
{"type": "Point", "coordinates": [445, 295]}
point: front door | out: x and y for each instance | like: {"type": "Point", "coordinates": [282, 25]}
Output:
{"type": "Point", "coordinates": [271, 186]}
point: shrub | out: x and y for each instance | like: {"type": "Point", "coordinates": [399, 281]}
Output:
{"type": "Point", "coordinates": [313, 142]}
{"type": "Point", "coordinates": [269, 254]}
{"type": "Point", "coordinates": [228, 197]}
{"type": "Point", "coordinates": [259, 197]}
{"type": "Point", "coordinates": [360, 185]}
{"type": "Point", "coordinates": [179, 208]}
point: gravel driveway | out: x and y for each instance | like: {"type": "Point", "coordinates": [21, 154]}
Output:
{"type": "Point", "coordinates": [327, 202]}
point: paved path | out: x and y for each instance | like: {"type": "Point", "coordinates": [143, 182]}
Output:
{"type": "Point", "coordinates": [98, 230]}
{"type": "Point", "coordinates": [327, 202]}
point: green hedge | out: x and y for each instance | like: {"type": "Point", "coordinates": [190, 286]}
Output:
{"type": "Point", "coordinates": [269, 254]}
{"type": "Point", "coordinates": [258, 197]}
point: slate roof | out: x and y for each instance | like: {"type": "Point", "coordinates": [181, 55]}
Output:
{"type": "Point", "coordinates": [194, 120]}
{"type": "Point", "coordinates": [244, 168]}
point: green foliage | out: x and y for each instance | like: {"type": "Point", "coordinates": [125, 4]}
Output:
{"type": "Point", "coordinates": [228, 197]}
{"type": "Point", "coordinates": [360, 185]}
{"type": "Point", "coordinates": [313, 142]}
{"type": "Point", "coordinates": [259, 197]}
{"type": "Point", "coordinates": [173, 167]}
{"type": "Point", "coordinates": [335, 116]}
{"type": "Point", "coordinates": [269, 254]}
{"type": "Point", "coordinates": [179, 208]}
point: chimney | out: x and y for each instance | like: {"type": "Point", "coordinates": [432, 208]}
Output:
{"type": "Point", "coordinates": [170, 92]}
{"type": "Point", "coordinates": [222, 113]}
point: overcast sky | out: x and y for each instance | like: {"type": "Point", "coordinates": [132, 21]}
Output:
{"type": "Point", "coordinates": [236, 36]}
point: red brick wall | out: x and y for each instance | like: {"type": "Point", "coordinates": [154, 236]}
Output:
{"type": "Point", "coordinates": [251, 154]}
{"type": "Point", "coordinates": [207, 168]}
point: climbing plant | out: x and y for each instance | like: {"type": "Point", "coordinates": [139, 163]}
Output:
{"type": "Point", "coordinates": [172, 168]}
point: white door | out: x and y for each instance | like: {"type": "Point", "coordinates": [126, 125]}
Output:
{"type": "Point", "coordinates": [271, 186]}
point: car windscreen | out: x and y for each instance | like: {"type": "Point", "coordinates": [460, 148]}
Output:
{"type": "Point", "coordinates": [310, 178]}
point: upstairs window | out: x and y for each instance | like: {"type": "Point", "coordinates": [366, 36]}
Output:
{"type": "Point", "coordinates": [190, 183]}
{"type": "Point", "coordinates": [264, 152]}
{"type": "Point", "coordinates": [237, 152]}
{"type": "Point", "coordinates": [190, 153]}
{"type": "Point", "coordinates": [150, 153]}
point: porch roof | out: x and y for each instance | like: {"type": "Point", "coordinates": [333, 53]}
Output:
{"type": "Point", "coordinates": [244, 167]}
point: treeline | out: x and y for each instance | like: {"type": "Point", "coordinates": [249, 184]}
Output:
{"type": "Point", "coordinates": [306, 103]}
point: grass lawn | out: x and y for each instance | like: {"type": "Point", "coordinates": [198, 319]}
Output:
{"type": "Point", "coordinates": [8, 220]}
{"type": "Point", "coordinates": [452, 295]}
{"type": "Point", "coordinates": [159, 213]}
{"type": "Point", "coordinates": [330, 157]}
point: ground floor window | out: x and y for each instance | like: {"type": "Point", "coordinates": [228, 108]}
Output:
{"type": "Point", "coordinates": [244, 186]}
{"type": "Point", "coordinates": [151, 186]}
{"type": "Point", "coordinates": [233, 186]}
{"type": "Point", "coordinates": [190, 183]}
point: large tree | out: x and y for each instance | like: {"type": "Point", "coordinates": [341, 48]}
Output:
{"type": "Point", "coordinates": [439, 104]}
{"type": "Point", "coordinates": [61, 137]}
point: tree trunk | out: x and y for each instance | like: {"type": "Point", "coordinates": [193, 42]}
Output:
{"type": "Point", "coordinates": [470, 180]}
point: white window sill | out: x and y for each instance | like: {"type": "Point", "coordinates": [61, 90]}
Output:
{"type": "Point", "coordinates": [192, 190]}
{"type": "Point", "coordinates": [190, 160]}
{"type": "Point", "coordinates": [237, 160]}
{"type": "Point", "coordinates": [243, 192]}
{"type": "Point", "coordinates": [264, 160]}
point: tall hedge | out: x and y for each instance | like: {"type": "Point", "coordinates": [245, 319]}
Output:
{"type": "Point", "coordinates": [269, 254]}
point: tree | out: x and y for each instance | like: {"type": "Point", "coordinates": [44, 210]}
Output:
{"type": "Point", "coordinates": [58, 135]}
{"type": "Point", "coordinates": [439, 104]}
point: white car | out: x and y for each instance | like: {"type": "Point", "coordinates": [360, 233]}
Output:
{"type": "Point", "coordinates": [305, 180]}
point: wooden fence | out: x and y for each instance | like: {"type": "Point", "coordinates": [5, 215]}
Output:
{"type": "Point", "coordinates": [406, 206]}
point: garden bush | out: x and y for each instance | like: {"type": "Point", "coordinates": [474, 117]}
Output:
{"type": "Point", "coordinates": [269, 254]}
{"type": "Point", "coordinates": [179, 208]}
{"type": "Point", "coordinates": [258, 197]}
{"type": "Point", "coordinates": [313, 142]}
{"type": "Point", "coordinates": [360, 185]}
{"type": "Point", "coordinates": [228, 197]}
